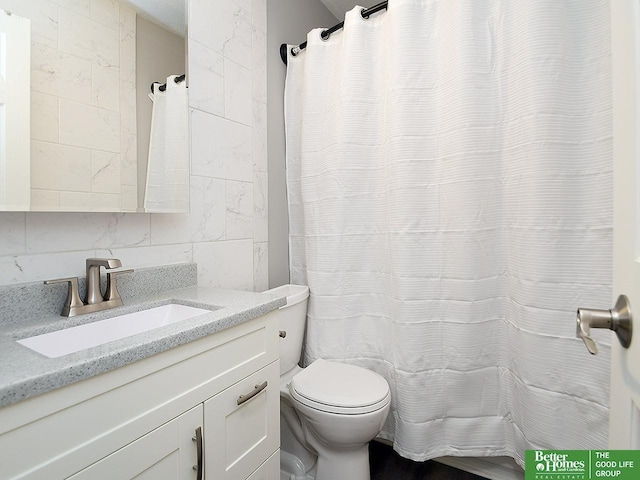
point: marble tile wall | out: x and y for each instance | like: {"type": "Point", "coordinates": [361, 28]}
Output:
{"type": "Point", "coordinates": [226, 231]}
{"type": "Point", "coordinates": [82, 69]}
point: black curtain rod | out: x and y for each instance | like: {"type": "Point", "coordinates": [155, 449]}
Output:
{"type": "Point", "coordinates": [163, 87]}
{"type": "Point", "coordinates": [325, 34]}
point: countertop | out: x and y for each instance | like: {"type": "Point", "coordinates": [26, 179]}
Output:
{"type": "Point", "coordinates": [25, 373]}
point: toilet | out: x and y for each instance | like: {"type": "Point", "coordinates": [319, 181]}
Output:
{"type": "Point", "coordinates": [329, 411]}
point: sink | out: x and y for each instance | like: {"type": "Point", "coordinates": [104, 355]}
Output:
{"type": "Point", "coordinates": [75, 339]}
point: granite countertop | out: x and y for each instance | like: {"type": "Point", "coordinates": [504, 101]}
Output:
{"type": "Point", "coordinates": [25, 373]}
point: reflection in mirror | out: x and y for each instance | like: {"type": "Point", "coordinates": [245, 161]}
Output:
{"type": "Point", "coordinates": [92, 65]}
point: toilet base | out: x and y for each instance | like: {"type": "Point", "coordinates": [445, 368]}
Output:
{"type": "Point", "coordinates": [350, 464]}
{"type": "Point", "coordinates": [292, 468]}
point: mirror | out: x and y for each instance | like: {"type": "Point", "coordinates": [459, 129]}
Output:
{"type": "Point", "coordinates": [92, 111]}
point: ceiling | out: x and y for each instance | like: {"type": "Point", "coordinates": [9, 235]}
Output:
{"type": "Point", "coordinates": [171, 14]}
{"type": "Point", "coordinates": [340, 7]}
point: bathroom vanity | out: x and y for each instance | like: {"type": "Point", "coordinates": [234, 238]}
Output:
{"type": "Point", "coordinates": [193, 400]}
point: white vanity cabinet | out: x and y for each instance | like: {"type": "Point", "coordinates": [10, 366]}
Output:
{"type": "Point", "coordinates": [139, 421]}
{"type": "Point", "coordinates": [166, 453]}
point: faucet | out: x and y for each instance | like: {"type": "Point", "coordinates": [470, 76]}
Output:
{"type": "Point", "coordinates": [95, 301]}
{"type": "Point", "coordinates": [94, 295]}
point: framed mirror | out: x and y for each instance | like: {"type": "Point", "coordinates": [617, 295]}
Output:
{"type": "Point", "coordinates": [104, 126]}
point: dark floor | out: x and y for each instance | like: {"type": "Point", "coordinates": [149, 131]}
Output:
{"type": "Point", "coordinates": [388, 465]}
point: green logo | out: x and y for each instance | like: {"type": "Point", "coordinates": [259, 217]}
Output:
{"type": "Point", "coordinates": [582, 464]}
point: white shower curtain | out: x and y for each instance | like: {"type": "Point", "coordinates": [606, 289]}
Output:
{"type": "Point", "coordinates": [450, 195]}
{"type": "Point", "coordinates": [167, 185]}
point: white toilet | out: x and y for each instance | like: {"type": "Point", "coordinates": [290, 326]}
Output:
{"type": "Point", "coordinates": [329, 411]}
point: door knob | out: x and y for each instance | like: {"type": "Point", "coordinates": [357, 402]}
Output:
{"type": "Point", "coordinates": [617, 319]}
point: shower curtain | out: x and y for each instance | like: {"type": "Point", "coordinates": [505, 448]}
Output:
{"type": "Point", "coordinates": [167, 184]}
{"type": "Point", "coordinates": [449, 176]}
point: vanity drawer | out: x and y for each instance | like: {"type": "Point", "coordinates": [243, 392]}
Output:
{"type": "Point", "coordinates": [57, 434]}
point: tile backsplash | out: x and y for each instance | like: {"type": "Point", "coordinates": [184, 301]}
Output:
{"type": "Point", "coordinates": [226, 231]}
{"type": "Point", "coordinates": [30, 301]}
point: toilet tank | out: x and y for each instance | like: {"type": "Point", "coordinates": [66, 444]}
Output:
{"type": "Point", "coordinates": [292, 319]}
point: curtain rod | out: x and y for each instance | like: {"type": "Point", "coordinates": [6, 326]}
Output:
{"type": "Point", "coordinates": [163, 87]}
{"type": "Point", "coordinates": [325, 34]}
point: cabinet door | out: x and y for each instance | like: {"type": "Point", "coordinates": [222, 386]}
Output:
{"type": "Point", "coordinates": [269, 470]}
{"type": "Point", "coordinates": [242, 425]}
{"type": "Point", "coordinates": [166, 453]}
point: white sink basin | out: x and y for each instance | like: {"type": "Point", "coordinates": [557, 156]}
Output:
{"type": "Point", "coordinates": [75, 339]}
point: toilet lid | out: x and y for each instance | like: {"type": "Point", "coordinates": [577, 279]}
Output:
{"type": "Point", "coordinates": [338, 387]}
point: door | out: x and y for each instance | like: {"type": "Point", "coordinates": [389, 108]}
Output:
{"type": "Point", "coordinates": [15, 108]}
{"type": "Point", "coordinates": [624, 423]}
{"type": "Point", "coordinates": [242, 425]}
{"type": "Point", "coordinates": [169, 452]}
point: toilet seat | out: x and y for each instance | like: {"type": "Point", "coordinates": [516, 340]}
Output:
{"type": "Point", "coordinates": [340, 388]}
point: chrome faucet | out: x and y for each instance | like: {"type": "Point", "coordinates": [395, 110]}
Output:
{"type": "Point", "coordinates": [95, 300]}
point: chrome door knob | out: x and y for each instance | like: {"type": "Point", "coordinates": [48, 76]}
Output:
{"type": "Point", "coordinates": [617, 319]}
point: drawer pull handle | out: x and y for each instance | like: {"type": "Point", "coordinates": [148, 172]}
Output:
{"type": "Point", "coordinates": [198, 440]}
{"type": "Point", "coordinates": [253, 393]}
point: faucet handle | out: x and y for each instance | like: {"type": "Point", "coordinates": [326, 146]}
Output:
{"type": "Point", "coordinates": [112, 291]}
{"type": "Point", "coordinates": [73, 295]}
{"type": "Point", "coordinates": [107, 263]}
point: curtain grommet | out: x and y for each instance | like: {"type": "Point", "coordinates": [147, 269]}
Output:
{"type": "Point", "coordinates": [324, 36]}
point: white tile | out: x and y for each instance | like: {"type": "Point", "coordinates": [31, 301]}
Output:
{"type": "Point", "coordinates": [220, 148]}
{"type": "Point", "coordinates": [231, 36]}
{"type": "Point", "coordinates": [127, 45]}
{"type": "Point", "coordinates": [205, 222]}
{"type": "Point", "coordinates": [260, 267]}
{"type": "Point", "coordinates": [142, 257]}
{"type": "Point", "coordinates": [129, 198]}
{"type": "Point", "coordinates": [128, 108]}
{"type": "Point", "coordinates": [55, 232]}
{"type": "Point", "coordinates": [227, 264]}
{"type": "Point", "coordinates": [259, 15]}
{"type": "Point", "coordinates": [239, 208]}
{"type": "Point", "coordinates": [237, 93]}
{"type": "Point", "coordinates": [260, 207]}
{"type": "Point", "coordinates": [45, 200]}
{"type": "Point", "coordinates": [129, 160]}
{"type": "Point", "coordinates": [12, 233]}
{"type": "Point", "coordinates": [44, 19]}
{"type": "Point", "coordinates": [44, 117]}
{"type": "Point", "coordinates": [60, 74]}
{"type": "Point", "coordinates": [246, 4]}
{"type": "Point", "coordinates": [43, 266]}
{"type": "Point", "coordinates": [106, 202]}
{"type": "Point", "coordinates": [259, 66]}
{"type": "Point", "coordinates": [60, 167]}
{"type": "Point", "coordinates": [83, 7]}
{"type": "Point", "coordinates": [88, 126]}
{"type": "Point", "coordinates": [206, 79]}
{"type": "Point", "coordinates": [259, 132]}
{"type": "Point", "coordinates": [106, 12]}
{"type": "Point", "coordinates": [105, 172]}
{"type": "Point", "coordinates": [105, 88]}
{"type": "Point", "coordinates": [88, 39]}
{"type": "Point", "coordinates": [76, 202]}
